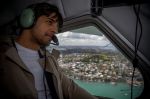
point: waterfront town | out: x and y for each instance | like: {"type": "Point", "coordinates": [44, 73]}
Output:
{"type": "Point", "coordinates": [106, 66]}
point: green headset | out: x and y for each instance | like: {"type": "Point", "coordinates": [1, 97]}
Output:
{"type": "Point", "coordinates": [29, 15]}
{"type": "Point", "coordinates": [27, 18]}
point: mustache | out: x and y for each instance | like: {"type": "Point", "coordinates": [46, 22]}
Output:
{"type": "Point", "coordinates": [49, 34]}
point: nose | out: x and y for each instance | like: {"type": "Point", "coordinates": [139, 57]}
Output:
{"type": "Point", "coordinates": [54, 28]}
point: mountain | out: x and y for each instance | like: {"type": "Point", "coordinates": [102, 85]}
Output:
{"type": "Point", "coordinates": [84, 49]}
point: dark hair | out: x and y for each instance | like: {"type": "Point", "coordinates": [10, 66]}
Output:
{"type": "Point", "coordinates": [46, 9]}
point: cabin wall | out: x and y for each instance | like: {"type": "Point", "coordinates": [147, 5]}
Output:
{"type": "Point", "coordinates": [124, 20]}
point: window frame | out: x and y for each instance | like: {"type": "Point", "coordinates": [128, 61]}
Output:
{"type": "Point", "coordinates": [113, 35]}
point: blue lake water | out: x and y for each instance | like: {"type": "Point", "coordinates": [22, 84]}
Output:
{"type": "Point", "coordinates": [118, 91]}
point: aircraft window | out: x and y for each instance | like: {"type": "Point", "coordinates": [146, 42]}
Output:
{"type": "Point", "coordinates": [96, 65]}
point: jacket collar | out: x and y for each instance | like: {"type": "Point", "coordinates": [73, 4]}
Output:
{"type": "Point", "coordinates": [54, 53]}
{"type": "Point", "coordinates": [13, 55]}
{"type": "Point", "coordinates": [49, 60]}
{"type": "Point", "coordinates": [48, 65]}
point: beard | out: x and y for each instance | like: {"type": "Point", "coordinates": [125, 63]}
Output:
{"type": "Point", "coordinates": [42, 42]}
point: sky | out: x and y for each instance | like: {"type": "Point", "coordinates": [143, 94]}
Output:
{"type": "Point", "coordinates": [81, 39]}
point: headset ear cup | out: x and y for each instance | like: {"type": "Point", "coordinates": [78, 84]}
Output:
{"type": "Point", "coordinates": [27, 18]}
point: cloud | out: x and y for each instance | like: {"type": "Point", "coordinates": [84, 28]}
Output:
{"type": "Point", "coordinates": [79, 36]}
{"type": "Point", "coordinates": [81, 39]}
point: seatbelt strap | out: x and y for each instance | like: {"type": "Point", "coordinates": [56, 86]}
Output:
{"type": "Point", "coordinates": [50, 83]}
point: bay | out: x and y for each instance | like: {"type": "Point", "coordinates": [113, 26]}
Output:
{"type": "Point", "coordinates": [117, 91]}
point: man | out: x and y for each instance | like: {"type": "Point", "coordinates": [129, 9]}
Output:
{"type": "Point", "coordinates": [27, 71]}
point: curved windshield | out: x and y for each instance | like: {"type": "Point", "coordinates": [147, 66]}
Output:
{"type": "Point", "coordinates": [92, 61]}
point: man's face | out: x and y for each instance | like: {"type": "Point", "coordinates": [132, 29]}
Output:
{"type": "Point", "coordinates": [44, 29]}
